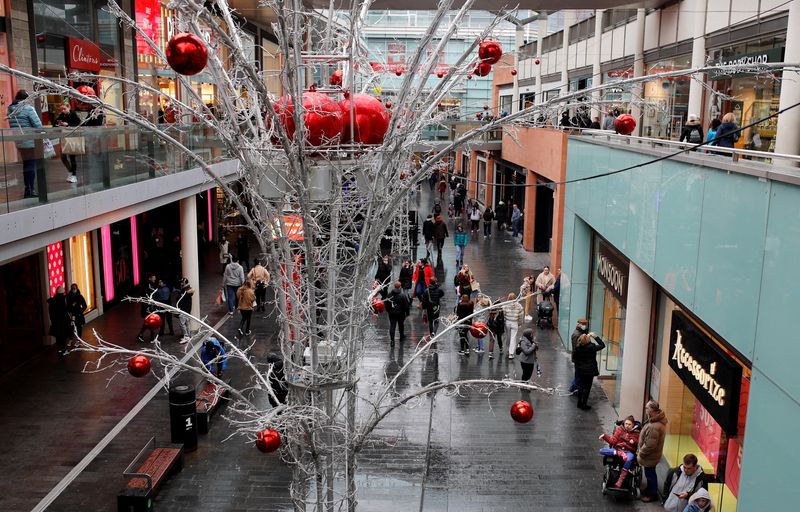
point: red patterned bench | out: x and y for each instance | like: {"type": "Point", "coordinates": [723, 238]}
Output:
{"type": "Point", "coordinates": [143, 484]}
{"type": "Point", "coordinates": [208, 401]}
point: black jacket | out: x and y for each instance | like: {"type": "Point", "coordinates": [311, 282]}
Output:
{"type": "Point", "coordinates": [440, 230]}
{"type": "Point", "coordinates": [384, 272]}
{"type": "Point", "coordinates": [501, 213]}
{"type": "Point", "coordinates": [488, 215]}
{"type": "Point", "coordinates": [727, 135]}
{"type": "Point", "coordinates": [433, 297]}
{"type": "Point", "coordinates": [686, 133]}
{"type": "Point", "coordinates": [71, 119]}
{"type": "Point", "coordinates": [427, 229]}
{"type": "Point", "coordinates": [406, 276]}
{"type": "Point", "coordinates": [585, 357]}
{"type": "Point", "coordinates": [59, 319]}
{"type": "Point", "coordinates": [76, 305]}
{"type": "Point", "coordinates": [398, 304]}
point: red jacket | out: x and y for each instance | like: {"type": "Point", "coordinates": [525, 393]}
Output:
{"type": "Point", "coordinates": [622, 439]}
{"type": "Point", "coordinates": [427, 272]}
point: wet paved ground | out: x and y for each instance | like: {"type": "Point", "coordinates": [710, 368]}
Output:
{"type": "Point", "coordinates": [446, 453]}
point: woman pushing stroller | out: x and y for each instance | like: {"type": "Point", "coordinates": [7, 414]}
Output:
{"type": "Point", "coordinates": [623, 443]}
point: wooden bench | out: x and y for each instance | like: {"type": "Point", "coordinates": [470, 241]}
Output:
{"type": "Point", "coordinates": [143, 484]}
{"type": "Point", "coordinates": [207, 403]}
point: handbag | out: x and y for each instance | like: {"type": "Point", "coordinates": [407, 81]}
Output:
{"type": "Point", "coordinates": [220, 298]}
{"type": "Point", "coordinates": [49, 150]}
{"type": "Point", "coordinates": [73, 146]}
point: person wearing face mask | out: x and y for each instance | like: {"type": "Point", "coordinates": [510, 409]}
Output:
{"type": "Point", "coordinates": [582, 327]}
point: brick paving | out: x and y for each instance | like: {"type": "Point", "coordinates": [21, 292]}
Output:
{"type": "Point", "coordinates": [477, 459]}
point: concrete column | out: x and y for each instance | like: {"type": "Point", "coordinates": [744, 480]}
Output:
{"type": "Point", "coordinates": [569, 19]}
{"type": "Point", "coordinates": [519, 38]}
{"type": "Point", "coordinates": [637, 339]}
{"type": "Point", "coordinates": [189, 255]}
{"type": "Point", "coordinates": [638, 70]}
{"type": "Point", "coordinates": [529, 212]}
{"type": "Point", "coordinates": [540, 33]}
{"type": "Point", "coordinates": [597, 77]}
{"type": "Point", "coordinates": [788, 136]}
{"type": "Point", "coordinates": [698, 59]}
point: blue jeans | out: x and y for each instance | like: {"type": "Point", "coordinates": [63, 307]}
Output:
{"type": "Point", "coordinates": [612, 452]}
{"type": "Point", "coordinates": [514, 227]}
{"type": "Point", "coordinates": [459, 253]}
{"type": "Point", "coordinates": [230, 294]}
{"type": "Point", "coordinates": [652, 482]}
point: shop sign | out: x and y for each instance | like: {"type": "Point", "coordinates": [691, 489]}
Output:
{"type": "Point", "coordinates": [148, 19]}
{"type": "Point", "coordinates": [83, 55]}
{"type": "Point", "coordinates": [620, 73]}
{"type": "Point", "coordinates": [753, 59]}
{"type": "Point", "coordinates": [710, 374]}
{"type": "Point", "coordinates": [612, 270]}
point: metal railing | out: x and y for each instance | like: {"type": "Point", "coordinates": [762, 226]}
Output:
{"type": "Point", "coordinates": [35, 170]}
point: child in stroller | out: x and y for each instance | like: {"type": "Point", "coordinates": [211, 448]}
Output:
{"type": "Point", "coordinates": [620, 457]}
{"type": "Point", "coordinates": [544, 311]}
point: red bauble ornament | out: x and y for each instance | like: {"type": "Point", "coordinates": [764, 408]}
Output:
{"type": "Point", "coordinates": [479, 114]}
{"type": "Point", "coordinates": [479, 330]}
{"type": "Point", "coordinates": [323, 118]}
{"type": "Point", "coordinates": [312, 88]}
{"type": "Point", "coordinates": [337, 77]}
{"type": "Point", "coordinates": [440, 74]}
{"type": "Point", "coordinates": [388, 104]}
{"type": "Point", "coordinates": [139, 366]}
{"type": "Point", "coordinates": [482, 69]}
{"type": "Point", "coordinates": [187, 54]}
{"type": "Point", "coordinates": [86, 90]}
{"type": "Point", "coordinates": [625, 124]}
{"type": "Point", "coordinates": [537, 61]}
{"type": "Point", "coordinates": [268, 440]}
{"type": "Point", "coordinates": [398, 72]}
{"type": "Point", "coordinates": [378, 306]}
{"type": "Point", "coordinates": [522, 411]}
{"type": "Point", "coordinates": [513, 72]}
{"type": "Point", "coordinates": [490, 52]}
{"type": "Point", "coordinates": [486, 107]}
{"type": "Point", "coordinates": [153, 321]}
{"type": "Point", "coordinates": [469, 77]}
{"type": "Point", "coordinates": [371, 119]}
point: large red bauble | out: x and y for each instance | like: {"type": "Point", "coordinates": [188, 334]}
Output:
{"type": "Point", "coordinates": [513, 72]}
{"type": "Point", "coordinates": [625, 124]}
{"type": "Point", "coordinates": [337, 77]}
{"type": "Point", "coordinates": [187, 54]}
{"type": "Point", "coordinates": [371, 120]}
{"type": "Point", "coordinates": [268, 440]}
{"type": "Point", "coordinates": [323, 118]}
{"type": "Point", "coordinates": [482, 69]}
{"type": "Point", "coordinates": [479, 330]}
{"type": "Point", "coordinates": [86, 90]}
{"type": "Point", "coordinates": [490, 52]}
{"type": "Point", "coordinates": [378, 306]}
{"type": "Point", "coordinates": [522, 411]}
{"type": "Point", "coordinates": [139, 366]}
{"type": "Point", "coordinates": [153, 321]}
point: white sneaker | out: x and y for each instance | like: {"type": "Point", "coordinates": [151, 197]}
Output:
{"type": "Point", "coordinates": [72, 179]}
{"type": "Point", "coordinates": [185, 340]}
{"type": "Point", "coordinates": [528, 318]}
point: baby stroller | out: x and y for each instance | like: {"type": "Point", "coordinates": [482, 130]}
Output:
{"type": "Point", "coordinates": [544, 312]}
{"type": "Point", "coordinates": [631, 487]}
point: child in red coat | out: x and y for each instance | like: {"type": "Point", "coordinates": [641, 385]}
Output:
{"type": "Point", "coordinates": [623, 443]}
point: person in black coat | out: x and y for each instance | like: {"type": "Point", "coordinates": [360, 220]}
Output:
{"type": "Point", "coordinates": [427, 234]}
{"type": "Point", "coordinates": [59, 320]}
{"type": "Point", "coordinates": [432, 302]}
{"type": "Point", "coordinates": [406, 276]}
{"type": "Point", "coordinates": [398, 306]}
{"type": "Point", "coordinates": [383, 275]}
{"type": "Point", "coordinates": [501, 214]}
{"type": "Point", "coordinates": [585, 357]}
{"type": "Point", "coordinates": [464, 309]}
{"type": "Point", "coordinates": [76, 305]}
{"type": "Point", "coordinates": [277, 379]}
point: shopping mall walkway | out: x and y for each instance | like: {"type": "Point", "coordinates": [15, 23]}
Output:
{"type": "Point", "coordinates": [445, 453]}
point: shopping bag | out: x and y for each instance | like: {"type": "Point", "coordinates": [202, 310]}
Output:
{"type": "Point", "coordinates": [220, 298]}
{"type": "Point", "coordinates": [49, 150]}
{"type": "Point", "coordinates": [73, 146]}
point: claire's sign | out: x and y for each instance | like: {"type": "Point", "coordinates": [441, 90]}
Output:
{"type": "Point", "coordinates": [83, 55]}
{"type": "Point", "coordinates": [713, 377]}
{"type": "Point", "coordinates": [612, 270]}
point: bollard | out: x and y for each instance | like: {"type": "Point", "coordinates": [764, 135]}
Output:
{"type": "Point", "coordinates": [183, 416]}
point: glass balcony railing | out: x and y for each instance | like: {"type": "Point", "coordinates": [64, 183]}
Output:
{"type": "Point", "coordinates": [448, 131]}
{"type": "Point", "coordinates": [107, 157]}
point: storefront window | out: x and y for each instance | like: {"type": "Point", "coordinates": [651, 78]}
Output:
{"type": "Point", "coordinates": [618, 98]}
{"type": "Point", "coordinates": [81, 267]}
{"type": "Point", "coordinates": [482, 181]}
{"type": "Point", "coordinates": [706, 420]}
{"type": "Point", "coordinates": [666, 100]}
{"type": "Point", "coordinates": [607, 313]}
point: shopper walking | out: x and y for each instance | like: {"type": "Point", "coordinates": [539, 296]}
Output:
{"type": "Point", "coordinates": [260, 277]}
{"type": "Point", "coordinates": [432, 303]}
{"type": "Point", "coordinates": [59, 320]}
{"type": "Point", "coordinates": [527, 356]}
{"type": "Point", "coordinates": [383, 275]}
{"type": "Point", "coordinates": [439, 234]}
{"type": "Point", "coordinates": [651, 447]}
{"type": "Point", "coordinates": [464, 309]}
{"type": "Point", "coordinates": [692, 132]}
{"type": "Point", "coordinates": [422, 278]}
{"type": "Point", "coordinates": [398, 306]}
{"type": "Point", "coordinates": [497, 326]}
{"type": "Point", "coordinates": [501, 214]}
{"type": "Point", "coordinates": [163, 295]}
{"type": "Point", "coordinates": [728, 131]}
{"type": "Point", "coordinates": [474, 218]}
{"type": "Point", "coordinates": [406, 277]}
{"type": "Point", "coordinates": [243, 250]}
{"type": "Point", "coordinates": [67, 118]}
{"type": "Point", "coordinates": [76, 306]}
{"type": "Point", "coordinates": [427, 234]}
{"type": "Point", "coordinates": [246, 298]}
{"type": "Point", "coordinates": [488, 217]}
{"type": "Point", "coordinates": [525, 291]}
{"type": "Point", "coordinates": [516, 220]}
{"type": "Point", "coordinates": [182, 296]}
{"type": "Point", "coordinates": [232, 279]}
{"type": "Point", "coordinates": [460, 240]}
{"type": "Point", "coordinates": [442, 189]}
{"type": "Point", "coordinates": [585, 357]}
{"type": "Point", "coordinates": [22, 115]}
{"type": "Point", "coordinates": [513, 316]}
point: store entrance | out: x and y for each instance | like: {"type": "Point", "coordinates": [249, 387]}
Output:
{"type": "Point", "coordinates": [543, 229]}
{"type": "Point", "coordinates": [21, 311]}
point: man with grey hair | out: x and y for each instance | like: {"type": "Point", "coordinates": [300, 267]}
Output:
{"type": "Point", "coordinates": [651, 447]}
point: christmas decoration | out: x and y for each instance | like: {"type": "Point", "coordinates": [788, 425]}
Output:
{"type": "Point", "coordinates": [337, 77]}
{"type": "Point", "coordinates": [268, 440]}
{"type": "Point", "coordinates": [371, 120]}
{"type": "Point", "coordinates": [323, 118]}
{"type": "Point", "coordinates": [479, 330]}
{"type": "Point", "coordinates": [513, 72]}
{"type": "Point", "coordinates": [537, 61]}
{"type": "Point", "coordinates": [388, 104]}
{"type": "Point", "coordinates": [139, 366]}
{"type": "Point", "coordinates": [469, 77]}
{"type": "Point", "coordinates": [86, 90]}
{"type": "Point", "coordinates": [522, 411]}
{"type": "Point", "coordinates": [398, 72]}
{"type": "Point", "coordinates": [153, 321]}
{"type": "Point", "coordinates": [378, 306]}
{"type": "Point", "coordinates": [482, 69]}
{"type": "Point", "coordinates": [440, 74]}
{"type": "Point", "coordinates": [479, 114]}
{"type": "Point", "coordinates": [186, 54]}
{"type": "Point", "coordinates": [486, 107]}
{"type": "Point", "coordinates": [625, 124]}
{"type": "Point", "coordinates": [490, 52]}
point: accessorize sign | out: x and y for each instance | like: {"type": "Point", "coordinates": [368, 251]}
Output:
{"type": "Point", "coordinates": [83, 55]}
{"type": "Point", "coordinates": [612, 270]}
{"type": "Point", "coordinates": [712, 375]}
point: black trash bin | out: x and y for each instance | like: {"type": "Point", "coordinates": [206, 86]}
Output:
{"type": "Point", "coordinates": [183, 416]}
